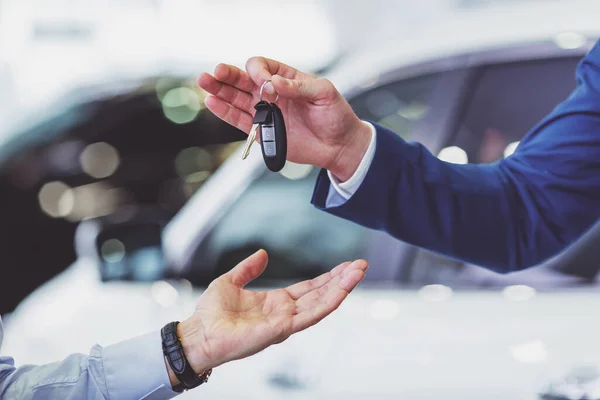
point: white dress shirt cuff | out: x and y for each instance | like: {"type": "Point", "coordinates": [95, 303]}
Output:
{"type": "Point", "coordinates": [348, 188]}
{"type": "Point", "coordinates": [136, 369]}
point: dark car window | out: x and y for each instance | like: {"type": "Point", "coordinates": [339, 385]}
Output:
{"type": "Point", "coordinates": [397, 106]}
{"type": "Point", "coordinates": [275, 214]}
{"type": "Point", "coordinates": [507, 100]}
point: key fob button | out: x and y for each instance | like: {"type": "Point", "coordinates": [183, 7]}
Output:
{"type": "Point", "coordinates": [267, 133]}
{"type": "Point", "coordinates": [269, 149]}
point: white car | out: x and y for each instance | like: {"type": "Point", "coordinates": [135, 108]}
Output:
{"type": "Point", "coordinates": [420, 325]}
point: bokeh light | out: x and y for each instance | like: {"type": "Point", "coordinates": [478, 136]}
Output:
{"type": "Point", "coordinates": [99, 160]}
{"type": "Point", "coordinates": [435, 293]}
{"type": "Point", "coordinates": [382, 102]}
{"type": "Point", "coordinates": [181, 105]}
{"type": "Point", "coordinates": [453, 154]}
{"type": "Point", "coordinates": [112, 250]}
{"type": "Point", "coordinates": [570, 40]}
{"type": "Point", "coordinates": [94, 200]}
{"type": "Point", "coordinates": [56, 199]}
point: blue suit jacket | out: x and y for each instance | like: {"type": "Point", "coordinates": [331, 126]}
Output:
{"type": "Point", "coordinates": [505, 216]}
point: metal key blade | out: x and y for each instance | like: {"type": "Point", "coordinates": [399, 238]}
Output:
{"type": "Point", "coordinates": [250, 140]}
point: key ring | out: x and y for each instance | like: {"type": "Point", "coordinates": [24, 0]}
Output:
{"type": "Point", "coordinates": [260, 95]}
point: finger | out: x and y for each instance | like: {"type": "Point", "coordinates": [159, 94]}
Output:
{"type": "Point", "coordinates": [233, 116]}
{"type": "Point", "coordinates": [317, 310]}
{"type": "Point", "coordinates": [319, 295]}
{"type": "Point", "coordinates": [312, 90]}
{"type": "Point", "coordinates": [234, 76]}
{"type": "Point", "coordinates": [301, 288]}
{"type": "Point", "coordinates": [261, 69]}
{"type": "Point", "coordinates": [353, 278]}
{"type": "Point", "coordinates": [230, 94]}
{"type": "Point", "coordinates": [248, 270]}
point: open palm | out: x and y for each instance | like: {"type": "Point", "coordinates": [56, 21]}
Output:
{"type": "Point", "coordinates": [233, 323]}
{"type": "Point", "coordinates": [318, 119]}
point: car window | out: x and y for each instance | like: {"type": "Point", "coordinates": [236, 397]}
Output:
{"type": "Point", "coordinates": [397, 106]}
{"type": "Point", "coordinates": [507, 100]}
{"type": "Point", "coordinates": [275, 214]}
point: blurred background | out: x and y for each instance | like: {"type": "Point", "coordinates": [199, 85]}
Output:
{"type": "Point", "coordinates": [122, 197]}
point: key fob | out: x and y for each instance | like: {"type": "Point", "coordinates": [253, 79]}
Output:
{"type": "Point", "coordinates": [273, 139]}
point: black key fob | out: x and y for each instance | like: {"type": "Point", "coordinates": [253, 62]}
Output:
{"type": "Point", "coordinates": [273, 138]}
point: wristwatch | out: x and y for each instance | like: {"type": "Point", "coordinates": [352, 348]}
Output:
{"type": "Point", "coordinates": [173, 351]}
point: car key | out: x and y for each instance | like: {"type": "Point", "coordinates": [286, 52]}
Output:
{"type": "Point", "coordinates": [273, 137]}
{"type": "Point", "coordinates": [249, 141]}
{"type": "Point", "coordinates": [263, 109]}
{"type": "Point", "coordinates": [273, 140]}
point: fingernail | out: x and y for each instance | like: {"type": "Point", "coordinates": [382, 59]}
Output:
{"type": "Point", "coordinates": [269, 88]}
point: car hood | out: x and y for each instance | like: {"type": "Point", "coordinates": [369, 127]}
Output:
{"type": "Point", "coordinates": [381, 343]}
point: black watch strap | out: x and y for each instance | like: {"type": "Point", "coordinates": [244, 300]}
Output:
{"type": "Point", "coordinates": [173, 351]}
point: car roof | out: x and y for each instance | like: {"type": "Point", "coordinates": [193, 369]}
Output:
{"type": "Point", "coordinates": [567, 26]}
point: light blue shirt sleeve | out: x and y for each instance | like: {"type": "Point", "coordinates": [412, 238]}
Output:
{"type": "Point", "coordinates": [340, 192]}
{"type": "Point", "coordinates": [133, 369]}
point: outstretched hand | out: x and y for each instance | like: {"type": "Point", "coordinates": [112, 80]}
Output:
{"type": "Point", "coordinates": [321, 126]}
{"type": "Point", "coordinates": [231, 322]}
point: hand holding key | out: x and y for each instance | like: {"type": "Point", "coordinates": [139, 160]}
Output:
{"type": "Point", "coordinates": [322, 128]}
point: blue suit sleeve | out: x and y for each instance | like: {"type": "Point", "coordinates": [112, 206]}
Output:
{"type": "Point", "coordinates": [505, 216]}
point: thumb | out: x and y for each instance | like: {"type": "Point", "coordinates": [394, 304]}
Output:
{"type": "Point", "coordinates": [249, 269]}
{"type": "Point", "coordinates": [311, 90]}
